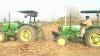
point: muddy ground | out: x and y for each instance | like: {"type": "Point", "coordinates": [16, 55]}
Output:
{"type": "Point", "coordinates": [46, 47]}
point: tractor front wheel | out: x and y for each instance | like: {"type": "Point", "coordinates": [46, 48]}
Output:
{"type": "Point", "coordinates": [2, 37]}
{"type": "Point", "coordinates": [92, 37]}
{"type": "Point", "coordinates": [26, 33]}
{"type": "Point", "coordinates": [61, 41]}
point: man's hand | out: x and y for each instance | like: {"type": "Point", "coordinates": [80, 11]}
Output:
{"type": "Point", "coordinates": [83, 24]}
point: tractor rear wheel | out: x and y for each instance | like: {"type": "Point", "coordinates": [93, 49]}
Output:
{"type": "Point", "coordinates": [26, 33]}
{"type": "Point", "coordinates": [2, 37]}
{"type": "Point", "coordinates": [92, 37]}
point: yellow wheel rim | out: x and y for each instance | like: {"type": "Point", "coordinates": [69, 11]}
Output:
{"type": "Point", "coordinates": [61, 41]}
{"type": "Point", "coordinates": [26, 35]}
{"type": "Point", "coordinates": [1, 37]}
{"type": "Point", "coordinates": [95, 39]}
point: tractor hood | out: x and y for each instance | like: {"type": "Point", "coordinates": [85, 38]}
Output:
{"type": "Point", "coordinates": [13, 26]}
{"type": "Point", "coordinates": [64, 29]}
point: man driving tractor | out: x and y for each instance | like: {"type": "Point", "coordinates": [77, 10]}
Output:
{"type": "Point", "coordinates": [85, 24]}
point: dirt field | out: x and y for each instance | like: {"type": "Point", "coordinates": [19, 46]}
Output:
{"type": "Point", "coordinates": [46, 48]}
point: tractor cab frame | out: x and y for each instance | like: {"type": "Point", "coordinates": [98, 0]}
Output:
{"type": "Point", "coordinates": [30, 13]}
{"type": "Point", "coordinates": [97, 12]}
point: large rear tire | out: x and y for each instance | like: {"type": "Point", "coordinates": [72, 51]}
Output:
{"type": "Point", "coordinates": [2, 37]}
{"type": "Point", "coordinates": [92, 37]}
{"type": "Point", "coordinates": [26, 33]}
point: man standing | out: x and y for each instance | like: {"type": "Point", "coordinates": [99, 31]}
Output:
{"type": "Point", "coordinates": [87, 23]}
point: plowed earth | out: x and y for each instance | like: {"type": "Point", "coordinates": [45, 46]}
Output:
{"type": "Point", "coordinates": [46, 47]}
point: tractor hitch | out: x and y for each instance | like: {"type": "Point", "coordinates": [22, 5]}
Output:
{"type": "Point", "coordinates": [55, 35]}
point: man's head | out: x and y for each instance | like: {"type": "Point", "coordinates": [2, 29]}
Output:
{"type": "Point", "coordinates": [87, 17]}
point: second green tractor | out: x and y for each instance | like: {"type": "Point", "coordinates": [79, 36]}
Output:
{"type": "Point", "coordinates": [72, 32]}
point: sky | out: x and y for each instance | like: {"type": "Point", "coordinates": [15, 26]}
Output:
{"type": "Point", "coordinates": [48, 10]}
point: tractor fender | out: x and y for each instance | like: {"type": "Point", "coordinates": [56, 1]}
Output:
{"type": "Point", "coordinates": [24, 24]}
{"type": "Point", "coordinates": [21, 26]}
{"type": "Point", "coordinates": [91, 27]}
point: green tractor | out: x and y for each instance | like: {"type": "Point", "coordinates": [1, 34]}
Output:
{"type": "Point", "coordinates": [72, 32]}
{"type": "Point", "coordinates": [24, 32]}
